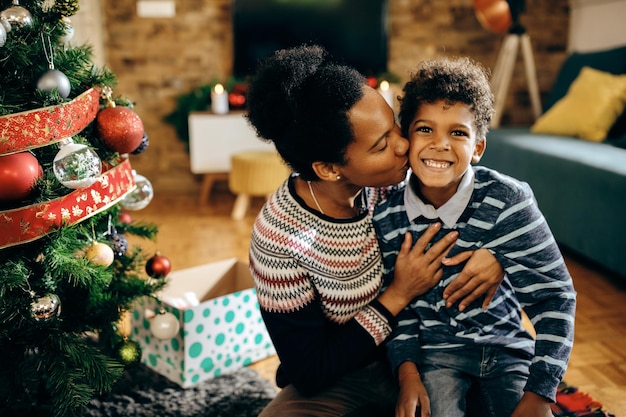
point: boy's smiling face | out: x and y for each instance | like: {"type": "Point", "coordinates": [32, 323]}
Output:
{"type": "Point", "coordinates": [443, 145]}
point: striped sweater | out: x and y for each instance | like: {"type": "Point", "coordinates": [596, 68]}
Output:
{"type": "Point", "coordinates": [317, 279]}
{"type": "Point", "coordinates": [501, 216]}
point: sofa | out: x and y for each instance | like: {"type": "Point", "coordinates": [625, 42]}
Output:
{"type": "Point", "coordinates": [574, 162]}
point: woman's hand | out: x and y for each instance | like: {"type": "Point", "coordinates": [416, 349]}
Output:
{"type": "Point", "coordinates": [413, 395]}
{"type": "Point", "coordinates": [482, 275]}
{"type": "Point", "coordinates": [416, 270]}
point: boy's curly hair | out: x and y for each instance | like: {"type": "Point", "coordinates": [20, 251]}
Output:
{"type": "Point", "coordinates": [453, 80]}
{"type": "Point", "coordinates": [299, 99]}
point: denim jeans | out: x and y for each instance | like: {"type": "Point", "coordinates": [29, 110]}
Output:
{"type": "Point", "coordinates": [496, 375]}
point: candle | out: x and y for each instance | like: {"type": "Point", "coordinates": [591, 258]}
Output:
{"type": "Point", "coordinates": [385, 90]}
{"type": "Point", "coordinates": [219, 99]}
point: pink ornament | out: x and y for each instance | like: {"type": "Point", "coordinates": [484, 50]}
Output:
{"type": "Point", "coordinates": [120, 128]}
{"type": "Point", "coordinates": [18, 174]}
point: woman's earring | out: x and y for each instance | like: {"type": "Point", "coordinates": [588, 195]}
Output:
{"type": "Point", "coordinates": [338, 177]}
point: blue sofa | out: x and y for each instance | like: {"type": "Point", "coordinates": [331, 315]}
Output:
{"type": "Point", "coordinates": [580, 186]}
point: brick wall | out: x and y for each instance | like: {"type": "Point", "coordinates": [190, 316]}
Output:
{"type": "Point", "coordinates": [157, 60]}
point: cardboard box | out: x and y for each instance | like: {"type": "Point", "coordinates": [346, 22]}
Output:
{"type": "Point", "coordinates": [221, 333]}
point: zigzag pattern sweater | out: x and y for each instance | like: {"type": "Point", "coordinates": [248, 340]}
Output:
{"type": "Point", "coordinates": [503, 217]}
{"type": "Point", "coordinates": [317, 279]}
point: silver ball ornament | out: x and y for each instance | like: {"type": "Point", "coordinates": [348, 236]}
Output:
{"type": "Point", "coordinates": [46, 307]}
{"type": "Point", "coordinates": [17, 16]}
{"type": "Point", "coordinates": [55, 79]}
{"type": "Point", "coordinates": [3, 36]}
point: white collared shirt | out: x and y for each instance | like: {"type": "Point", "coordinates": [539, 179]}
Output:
{"type": "Point", "coordinates": [450, 212]}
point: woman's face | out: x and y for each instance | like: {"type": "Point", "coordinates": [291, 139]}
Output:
{"type": "Point", "coordinates": [378, 155]}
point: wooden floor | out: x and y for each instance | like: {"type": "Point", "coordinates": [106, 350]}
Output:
{"type": "Point", "coordinates": [191, 234]}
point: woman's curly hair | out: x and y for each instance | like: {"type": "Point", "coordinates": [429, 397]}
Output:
{"type": "Point", "coordinates": [299, 99]}
{"type": "Point", "coordinates": [453, 80]}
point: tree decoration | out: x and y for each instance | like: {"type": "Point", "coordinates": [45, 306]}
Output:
{"type": "Point", "coordinates": [66, 7]}
{"type": "Point", "coordinates": [18, 174]}
{"type": "Point", "coordinates": [17, 16]}
{"type": "Point", "coordinates": [128, 352]}
{"type": "Point", "coordinates": [45, 307]}
{"type": "Point", "coordinates": [164, 325]}
{"type": "Point", "coordinates": [143, 145]}
{"type": "Point", "coordinates": [53, 79]}
{"type": "Point", "coordinates": [119, 127]}
{"type": "Point", "coordinates": [99, 253]}
{"type": "Point", "coordinates": [3, 36]}
{"type": "Point", "coordinates": [68, 30]}
{"type": "Point", "coordinates": [141, 196]}
{"type": "Point", "coordinates": [119, 243]}
{"type": "Point", "coordinates": [158, 266]}
{"type": "Point", "coordinates": [76, 165]}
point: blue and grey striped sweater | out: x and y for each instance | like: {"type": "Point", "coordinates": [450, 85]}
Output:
{"type": "Point", "coordinates": [501, 216]}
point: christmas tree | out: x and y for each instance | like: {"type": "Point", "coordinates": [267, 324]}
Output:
{"type": "Point", "coordinates": [67, 272]}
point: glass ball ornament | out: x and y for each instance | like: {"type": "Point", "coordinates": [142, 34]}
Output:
{"type": "Point", "coordinates": [55, 79]}
{"type": "Point", "coordinates": [17, 16]}
{"type": "Point", "coordinates": [46, 307]}
{"type": "Point", "coordinates": [76, 165]}
{"type": "Point", "coordinates": [141, 196]}
{"type": "Point", "coordinates": [164, 325]}
{"type": "Point", "coordinates": [68, 30]}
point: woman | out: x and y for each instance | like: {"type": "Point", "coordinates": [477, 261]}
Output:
{"type": "Point", "coordinates": [314, 254]}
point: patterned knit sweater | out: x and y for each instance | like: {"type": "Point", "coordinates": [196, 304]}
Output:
{"type": "Point", "coordinates": [317, 279]}
{"type": "Point", "coordinates": [503, 217]}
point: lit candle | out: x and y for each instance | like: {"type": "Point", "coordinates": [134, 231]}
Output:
{"type": "Point", "coordinates": [385, 90]}
{"type": "Point", "coordinates": [219, 99]}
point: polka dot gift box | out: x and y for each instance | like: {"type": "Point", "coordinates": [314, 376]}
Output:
{"type": "Point", "coordinates": [219, 325]}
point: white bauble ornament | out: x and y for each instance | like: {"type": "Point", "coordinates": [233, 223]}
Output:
{"type": "Point", "coordinates": [5, 24]}
{"type": "Point", "coordinates": [55, 79]}
{"type": "Point", "coordinates": [100, 254]}
{"type": "Point", "coordinates": [141, 196]}
{"type": "Point", "coordinates": [164, 326]}
{"type": "Point", "coordinates": [76, 165]}
{"type": "Point", "coordinates": [3, 36]}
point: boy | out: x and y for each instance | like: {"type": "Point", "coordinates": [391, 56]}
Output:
{"type": "Point", "coordinates": [438, 351]}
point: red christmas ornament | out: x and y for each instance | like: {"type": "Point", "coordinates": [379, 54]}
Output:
{"type": "Point", "coordinates": [125, 217]}
{"type": "Point", "coordinates": [120, 128]}
{"type": "Point", "coordinates": [18, 174]}
{"type": "Point", "coordinates": [158, 266]}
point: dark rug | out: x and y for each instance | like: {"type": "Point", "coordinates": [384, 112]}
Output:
{"type": "Point", "coordinates": [143, 393]}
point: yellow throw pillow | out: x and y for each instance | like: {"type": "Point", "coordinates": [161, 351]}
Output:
{"type": "Point", "coordinates": [592, 104]}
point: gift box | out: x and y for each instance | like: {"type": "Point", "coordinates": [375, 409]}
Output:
{"type": "Point", "coordinates": [221, 328]}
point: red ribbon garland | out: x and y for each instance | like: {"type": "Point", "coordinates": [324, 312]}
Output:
{"type": "Point", "coordinates": [26, 224]}
{"type": "Point", "coordinates": [45, 126]}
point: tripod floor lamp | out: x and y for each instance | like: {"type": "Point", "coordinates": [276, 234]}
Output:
{"type": "Point", "coordinates": [503, 16]}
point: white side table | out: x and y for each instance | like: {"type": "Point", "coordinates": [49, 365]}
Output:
{"type": "Point", "coordinates": [213, 139]}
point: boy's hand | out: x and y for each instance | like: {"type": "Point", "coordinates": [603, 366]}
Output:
{"type": "Point", "coordinates": [481, 275]}
{"type": "Point", "coordinates": [532, 405]}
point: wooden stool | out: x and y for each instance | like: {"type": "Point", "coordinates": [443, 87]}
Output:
{"type": "Point", "coordinates": [254, 174]}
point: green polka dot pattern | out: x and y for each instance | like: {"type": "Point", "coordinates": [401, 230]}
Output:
{"type": "Point", "coordinates": [216, 336]}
